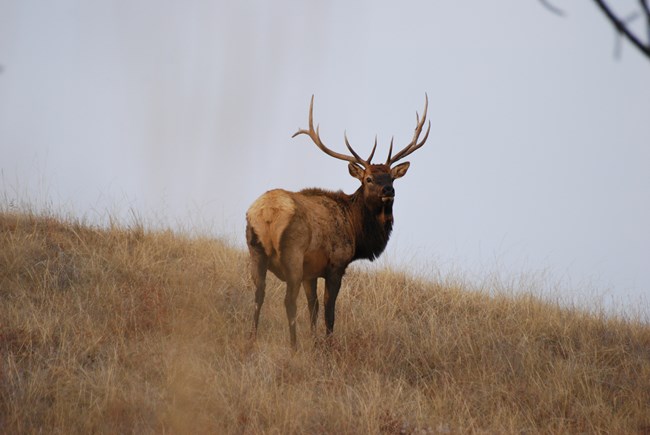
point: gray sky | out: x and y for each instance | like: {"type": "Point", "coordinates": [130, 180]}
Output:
{"type": "Point", "coordinates": [537, 162]}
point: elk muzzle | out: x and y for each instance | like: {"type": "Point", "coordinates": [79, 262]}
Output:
{"type": "Point", "coordinates": [388, 193]}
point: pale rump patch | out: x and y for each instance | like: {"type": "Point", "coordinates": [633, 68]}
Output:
{"type": "Point", "coordinates": [269, 216]}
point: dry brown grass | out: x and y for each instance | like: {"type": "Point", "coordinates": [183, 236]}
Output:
{"type": "Point", "coordinates": [124, 330]}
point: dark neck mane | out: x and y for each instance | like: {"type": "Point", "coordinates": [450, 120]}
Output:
{"type": "Point", "coordinates": [372, 227]}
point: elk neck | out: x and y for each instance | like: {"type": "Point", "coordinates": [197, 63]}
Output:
{"type": "Point", "coordinates": [372, 225]}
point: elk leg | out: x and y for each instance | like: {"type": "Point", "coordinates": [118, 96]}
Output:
{"type": "Point", "coordinates": [260, 292]}
{"type": "Point", "coordinates": [332, 286]}
{"type": "Point", "coordinates": [293, 289]}
{"type": "Point", "coordinates": [258, 272]}
{"type": "Point", "coordinates": [292, 265]}
{"type": "Point", "coordinates": [312, 301]}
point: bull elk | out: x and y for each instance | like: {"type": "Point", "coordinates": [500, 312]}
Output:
{"type": "Point", "coordinates": [315, 233]}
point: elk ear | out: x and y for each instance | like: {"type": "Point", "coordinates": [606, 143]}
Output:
{"type": "Point", "coordinates": [399, 170]}
{"type": "Point", "coordinates": [356, 171]}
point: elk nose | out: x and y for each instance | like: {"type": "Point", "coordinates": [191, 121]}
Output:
{"type": "Point", "coordinates": [388, 191]}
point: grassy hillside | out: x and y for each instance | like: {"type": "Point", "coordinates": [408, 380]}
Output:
{"type": "Point", "coordinates": [125, 330]}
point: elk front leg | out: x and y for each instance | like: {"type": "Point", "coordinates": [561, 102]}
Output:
{"type": "Point", "coordinates": [332, 286]}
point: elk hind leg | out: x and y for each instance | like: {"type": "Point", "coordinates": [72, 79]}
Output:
{"type": "Point", "coordinates": [259, 265]}
{"type": "Point", "coordinates": [293, 273]}
{"type": "Point", "coordinates": [309, 285]}
{"type": "Point", "coordinates": [259, 278]}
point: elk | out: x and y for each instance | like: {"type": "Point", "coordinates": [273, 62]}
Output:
{"type": "Point", "coordinates": [316, 233]}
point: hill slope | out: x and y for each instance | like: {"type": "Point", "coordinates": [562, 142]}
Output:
{"type": "Point", "coordinates": [127, 330]}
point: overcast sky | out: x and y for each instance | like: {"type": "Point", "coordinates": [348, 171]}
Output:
{"type": "Point", "coordinates": [537, 161]}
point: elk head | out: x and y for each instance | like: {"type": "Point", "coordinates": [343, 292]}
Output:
{"type": "Point", "coordinates": [376, 179]}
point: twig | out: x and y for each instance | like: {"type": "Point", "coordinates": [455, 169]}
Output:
{"type": "Point", "coordinates": [645, 7]}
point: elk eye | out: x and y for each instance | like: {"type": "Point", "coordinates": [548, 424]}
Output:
{"type": "Point", "coordinates": [368, 180]}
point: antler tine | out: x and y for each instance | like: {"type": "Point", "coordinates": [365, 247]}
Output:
{"type": "Point", "coordinates": [315, 137]}
{"type": "Point", "coordinates": [362, 162]}
{"type": "Point", "coordinates": [390, 150]}
{"type": "Point", "coordinates": [414, 144]}
{"type": "Point", "coordinates": [372, 153]}
{"type": "Point", "coordinates": [356, 156]}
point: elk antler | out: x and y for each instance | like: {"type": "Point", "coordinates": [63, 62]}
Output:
{"type": "Point", "coordinates": [414, 145]}
{"type": "Point", "coordinates": [315, 136]}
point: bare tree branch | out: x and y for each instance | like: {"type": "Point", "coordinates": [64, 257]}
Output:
{"type": "Point", "coordinates": [621, 26]}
